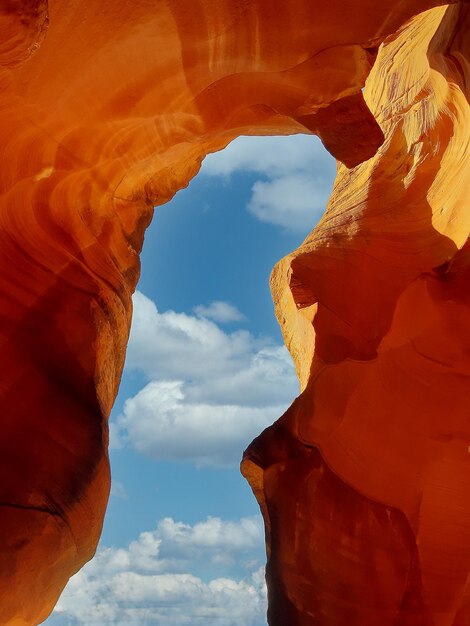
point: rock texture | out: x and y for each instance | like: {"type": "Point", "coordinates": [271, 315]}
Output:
{"type": "Point", "coordinates": [107, 109]}
{"type": "Point", "coordinates": [364, 482]}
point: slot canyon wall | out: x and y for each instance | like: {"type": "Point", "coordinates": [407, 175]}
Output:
{"type": "Point", "coordinates": [107, 109]}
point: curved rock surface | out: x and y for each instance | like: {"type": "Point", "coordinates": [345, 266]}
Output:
{"type": "Point", "coordinates": [107, 109]}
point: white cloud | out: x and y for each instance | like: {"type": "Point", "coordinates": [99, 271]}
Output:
{"type": "Point", "coordinates": [219, 311]}
{"type": "Point", "coordinates": [161, 422]}
{"type": "Point", "coordinates": [294, 202]}
{"type": "Point", "coordinates": [213, 534]}
{"type": "Point", "coordinates": [209, 393]}
{"type": "Point", "coordinates": [297, 176]}
{"type": "Point", "coordinates": [272, 156]}
{"type": "Point", "coordinates": [118, 490]}
{"type": "Point", "coordinates": [216, 367]}
{"type": "Point", "coordinates": [152, 580]}
{"type": "Point", "coordinates": [173, 345]}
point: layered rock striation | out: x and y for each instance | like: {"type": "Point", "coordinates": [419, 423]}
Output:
{"type": "Point", "coordinates": [107, 109]}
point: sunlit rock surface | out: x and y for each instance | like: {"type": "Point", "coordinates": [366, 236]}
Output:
{"type": "Point", "coordinates": [107, 109]}
{"type": "Point", "coordinates": [365, 481]}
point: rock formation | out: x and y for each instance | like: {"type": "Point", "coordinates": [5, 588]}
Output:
{"type": "Point", "coordinates": [107, 109]}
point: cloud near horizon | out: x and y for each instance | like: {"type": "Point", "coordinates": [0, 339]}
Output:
{"type": "Point", "coordinates": [171, 576]}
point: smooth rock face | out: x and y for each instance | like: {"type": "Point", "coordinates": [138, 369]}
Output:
{"type": "Point", "coordinates": [364, 481]}
{"type": "Point", "coordinates": [107, 109]}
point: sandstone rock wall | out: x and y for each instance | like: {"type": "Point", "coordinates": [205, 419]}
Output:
{"type": "Point", "coordinates": [107, 109]}
{"type": "Point", "coordinates": [374, 307]}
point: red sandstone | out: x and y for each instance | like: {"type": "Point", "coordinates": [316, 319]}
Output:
{"type": "Point", "coordinates": [107, 109]}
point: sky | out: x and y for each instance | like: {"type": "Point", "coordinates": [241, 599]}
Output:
{"type": "Point", "coordinates": [206, 371]}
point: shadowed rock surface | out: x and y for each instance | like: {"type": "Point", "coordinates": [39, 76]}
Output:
{"type": "Point", "coordinates": [107, 109]}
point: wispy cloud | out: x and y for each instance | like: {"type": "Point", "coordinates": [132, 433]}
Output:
{"type": "Point", "coordinates": [118, 490]}
{"type": "Point", "coordinates": [296, 177]}
{"type": "Point", "coordinates": [208, 392]}
{"type": "Point", "coordinates": [295, 202]}
{"type": "Point", "coordinates": [219, 311]}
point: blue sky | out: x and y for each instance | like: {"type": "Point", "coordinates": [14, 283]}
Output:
{"type": "Point", "coordinates": [206, 371]}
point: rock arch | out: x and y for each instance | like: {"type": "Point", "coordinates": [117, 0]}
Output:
{"type": "Point", "coordinates": [108, 109]}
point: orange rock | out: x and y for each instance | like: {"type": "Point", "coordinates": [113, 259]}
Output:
{"type": "Point", "coordinates": [107, 110]}
{"type": "Point", "coordinates": [364, 481]}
